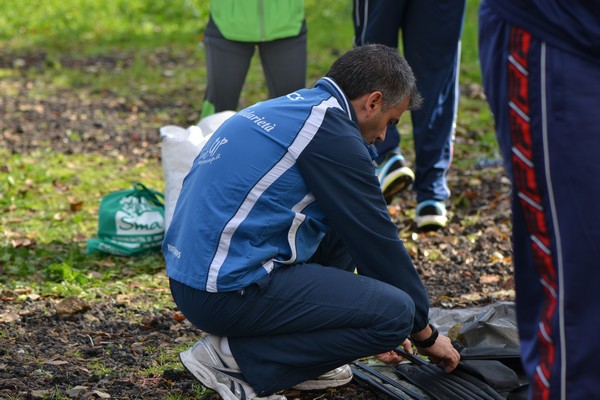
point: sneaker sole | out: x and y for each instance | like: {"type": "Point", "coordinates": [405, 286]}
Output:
{"type": "Point", "coordinates": [205, 376]}
{"type": "Point", "coordinates": [431, 221]}
{"type": "Point", "coordinates": [322, 384]}
{"type": "Point", "coordinates": [334, 378]}
{"type": "Point", "coordinates": [396, 181]}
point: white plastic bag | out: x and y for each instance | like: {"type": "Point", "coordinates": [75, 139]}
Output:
{"type": "Point", "coordinates": [179, 148]}
{"type": "Point", "coordinates": [210, 124]}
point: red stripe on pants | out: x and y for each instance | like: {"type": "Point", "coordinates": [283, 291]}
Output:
{"type": "Point", "coordinates": [530, 200]}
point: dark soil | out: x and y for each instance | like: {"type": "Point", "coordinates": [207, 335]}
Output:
{"type": "Point", "coordinates": [98, 350]}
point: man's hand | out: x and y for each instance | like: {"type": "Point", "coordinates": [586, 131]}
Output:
{"type": "Point", "coordinates": [391, 357]}
{"type": "Point", "coordinates": [442, 352]}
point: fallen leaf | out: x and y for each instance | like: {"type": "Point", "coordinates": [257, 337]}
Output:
{"type": "Point", "coordinates": [60, 186]}
{"type": "Point", "coordinates": [12, 234]}
{"type": "Point", "coordinates": [489, 279]}
{"type": "Point", "coordinates": [75, 205]}
{"type": "Point", "coordinates": [38, 108]}
{"type": "Point", "coordinates": [102, 395]}
{"type": "Point", "coordinates": [177, 316]}
{"type": "Point", "coordinates": [57, 362]}
{"type": "Point", "coordinates": [502, 294]}
{"type": "Point", "coordinates": [22, 242]}
{"type": "Point", "coordinates": [71, 306]}
{"type": "Point", "coordinates": [9, 317]}
{"type": "Point", "coordinates": [471, 194]}
{"type": "Point", "coordinates": [471, 296]}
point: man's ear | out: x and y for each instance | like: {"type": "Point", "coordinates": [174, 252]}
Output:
{"type": "Point", "coordinates": [374, 101]}
{"type": "Point", "coordinates": [367, 105]}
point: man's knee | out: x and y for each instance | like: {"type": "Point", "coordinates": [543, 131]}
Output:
{"type": "Point", "coordinates": [398, 312]}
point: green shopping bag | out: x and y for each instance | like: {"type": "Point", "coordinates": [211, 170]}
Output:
{"type": "Point", "coordinates": [130, 222]}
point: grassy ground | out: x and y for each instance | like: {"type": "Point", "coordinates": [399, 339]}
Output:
{"type": "Point", "coordinates": [34, 206]}
{"type": "Point", "coordinates": [49, 200]}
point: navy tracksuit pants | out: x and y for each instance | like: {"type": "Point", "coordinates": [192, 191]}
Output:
{"type": "Point", "coordinates": [302, 320]}
{"type": "Point", "coordinates": [431, 32]}
{"type": "Point", "coordinates": [546, 105]}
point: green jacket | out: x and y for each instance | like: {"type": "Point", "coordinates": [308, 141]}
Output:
{"type": "Point", "coordinates": [257, 20]}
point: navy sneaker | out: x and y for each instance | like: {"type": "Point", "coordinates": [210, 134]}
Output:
{"type": "Point", "coordinates": [394, 176]}
{"type": "Point", "coordinates": [431, 214]}
{"type": "Point", "coordinates": [218, 371]}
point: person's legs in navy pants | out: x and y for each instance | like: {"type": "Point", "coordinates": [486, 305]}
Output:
{"type": "Point", "coordinates": [302, 321]}
{"type": "Point", "coordinates": [431, 32]}
{"type": "Point", "coordinates": [544, 101]}
{"type": "Point", "coordinates": [430, 35]}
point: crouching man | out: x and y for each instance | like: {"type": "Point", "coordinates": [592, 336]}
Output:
{"type": "Point", "coordinates": [279, 209]}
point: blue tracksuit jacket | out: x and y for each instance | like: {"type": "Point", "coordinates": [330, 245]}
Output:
{"type": "Point", "coordinates": [268, 185]}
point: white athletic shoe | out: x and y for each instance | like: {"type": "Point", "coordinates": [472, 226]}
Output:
{"type": "Point", "coordinates": [218, 371]}
{"type": "Point", "coordinates": [334, 378]}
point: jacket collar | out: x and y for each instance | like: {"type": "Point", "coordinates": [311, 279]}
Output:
{"type": "Point", "coordinates": [332, 87]}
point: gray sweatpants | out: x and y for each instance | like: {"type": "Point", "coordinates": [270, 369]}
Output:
{"type": "Point", "coordinates": [227, 62]}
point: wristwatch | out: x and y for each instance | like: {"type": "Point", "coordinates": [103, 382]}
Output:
{"type": "Point", "coordinates": [429, 341]}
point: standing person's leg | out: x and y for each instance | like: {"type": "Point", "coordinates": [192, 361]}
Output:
{"type": "Point", "coordinates": [542, 99]}
{"type": "Point", "coordinates": [303, 321]}
{"type": "Point", "coordinates": [571, 138]}
{"type": "Point", "coordinates": [431, 36]}
{"type": "Point", "coordinates": [492, 38]}
{"type": "Point", "coordinates": [379, 22]}
{"type": "Point", "coordinates": [227, 64]}
{"type": "Point", "coordinates": [493, 54]}
{"type": "Point", "coordinates": [284, 64]}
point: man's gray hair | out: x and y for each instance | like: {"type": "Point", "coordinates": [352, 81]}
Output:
{"type": "Point", "coordinates": [372, 67]}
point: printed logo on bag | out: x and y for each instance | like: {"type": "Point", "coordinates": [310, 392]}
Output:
{"type": "Point", "coordinates": [138, 217]}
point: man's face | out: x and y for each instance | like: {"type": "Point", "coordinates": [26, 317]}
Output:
{"type": "Point", "coordinates": [374, 122]}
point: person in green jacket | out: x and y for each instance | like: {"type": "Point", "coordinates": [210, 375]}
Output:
{"type": "Point", "coordinates": [235, 29]}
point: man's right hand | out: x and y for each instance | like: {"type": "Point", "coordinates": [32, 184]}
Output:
{"type": "Point", "coordinates": [442, 352]}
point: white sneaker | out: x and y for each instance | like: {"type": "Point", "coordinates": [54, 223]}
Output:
{"type": "Point", "coordinates": [334, 378]}
{"type": "Point", "coordinates": [218, 371]}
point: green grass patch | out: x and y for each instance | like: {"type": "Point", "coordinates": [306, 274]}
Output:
{"type": "Point", "coordinates": [93, 26]}
{"type": "Point", "coordinates": [49, 201]}
{"type": "Point", "coordinates": [51, 196]}
{"type": "Point", "coordinates": [49, 204]}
